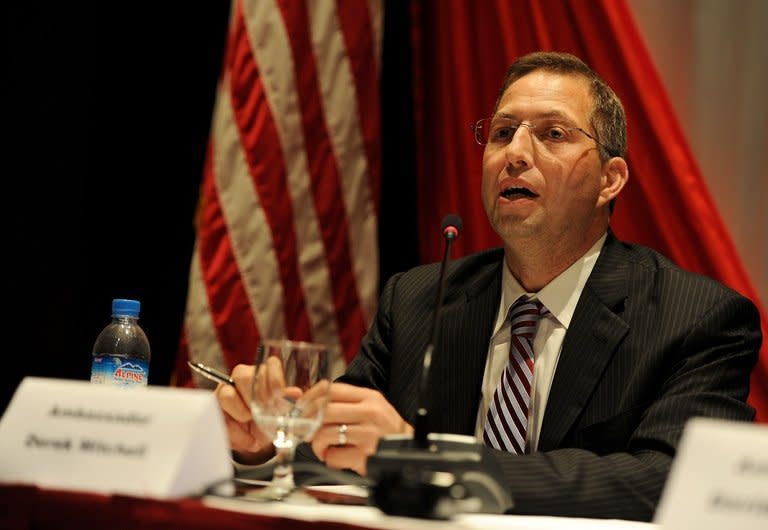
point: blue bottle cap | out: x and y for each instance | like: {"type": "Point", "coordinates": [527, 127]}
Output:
{"type": "Point", "coordinates": [125, 308]}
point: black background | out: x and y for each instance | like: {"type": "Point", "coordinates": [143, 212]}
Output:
{"type": "Point", "coordinates": [107, 109]}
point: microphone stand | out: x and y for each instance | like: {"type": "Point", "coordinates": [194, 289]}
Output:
{"type": "Point", "coordinates": [434, 475]}
{"type": "Point", "coordinates": [420, 425]}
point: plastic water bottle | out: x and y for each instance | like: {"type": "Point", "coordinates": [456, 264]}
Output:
{"type": "Point", "coordinates": [121, 352]}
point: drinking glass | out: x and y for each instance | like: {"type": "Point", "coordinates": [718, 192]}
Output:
{"type": "Point", "coordinates": [289, 395]}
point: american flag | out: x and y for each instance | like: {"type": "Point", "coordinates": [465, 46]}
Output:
{"type": "Point", "coordinates": [287, 224]}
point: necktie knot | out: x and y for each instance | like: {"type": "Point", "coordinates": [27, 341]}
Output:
{"type": "Point", "coordinates": [524, 314]}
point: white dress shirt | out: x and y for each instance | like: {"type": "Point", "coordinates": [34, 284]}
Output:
{"type": "Point", "coordinates": [560, 297]}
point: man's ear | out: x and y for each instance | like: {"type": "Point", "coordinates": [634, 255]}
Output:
{"type": "Point", "coordinates": [615, 176]}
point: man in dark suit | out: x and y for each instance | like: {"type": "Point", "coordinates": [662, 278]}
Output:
{"type": "Point", "coordinates": [578, 358]}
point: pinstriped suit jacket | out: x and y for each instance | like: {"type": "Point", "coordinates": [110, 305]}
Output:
{"type": "Point", "coordinates": [649, 347]}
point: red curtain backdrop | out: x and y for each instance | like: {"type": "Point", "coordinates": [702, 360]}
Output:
{"type": "Point", "coordinates": [463, 50]}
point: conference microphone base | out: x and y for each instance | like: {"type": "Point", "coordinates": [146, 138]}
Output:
{"type": "Point", "coordinates": [453, 474]}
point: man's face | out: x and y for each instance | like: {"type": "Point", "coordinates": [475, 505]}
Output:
{"type": "Point", "coordinates": [544, 182]}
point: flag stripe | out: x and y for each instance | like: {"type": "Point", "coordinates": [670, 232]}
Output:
{"type": "Point", "coordinates": [200, 339]}
{"type": "Point", "coordinates": [249, 222]}
{"type": "Point", "coordinates": [337, 89]}
{"type": "Point", "coordinates": [325, 181]}
{"type": "Point", "coordinates": [231, 314]}
{"type": "Point", "coordinates": [271, 46]}
{"type": "Point", "coordinates": [364, 48]}
{"type": "Point", "coordinates": [262, 213]}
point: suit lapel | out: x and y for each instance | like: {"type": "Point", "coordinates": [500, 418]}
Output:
{"type": "Point", "coordinates": [591, 340]}
{"type": "Point", "coordinates": [459, 362]}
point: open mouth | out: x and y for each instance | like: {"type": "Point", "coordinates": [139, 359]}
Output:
{"type": "Point", "coordinates": [516, 193]}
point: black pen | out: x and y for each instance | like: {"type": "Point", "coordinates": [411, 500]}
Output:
{"type": "Point", "coordinates": [211, 373]}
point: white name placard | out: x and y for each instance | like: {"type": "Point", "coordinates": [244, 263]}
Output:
{"type": "Point", "coordinates": [719, 478]}
{"type": "Point", "coordinates": [148, 442]}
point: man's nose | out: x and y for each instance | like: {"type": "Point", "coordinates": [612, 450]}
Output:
{"type": "Point", "coordinates": [519, 150]}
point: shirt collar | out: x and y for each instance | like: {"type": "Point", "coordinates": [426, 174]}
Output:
{"type": "Point", "coordinates": [560, 295]}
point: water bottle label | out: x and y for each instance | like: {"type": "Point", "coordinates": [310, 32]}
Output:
{"type": "Point", "coordinates": [118, 371]}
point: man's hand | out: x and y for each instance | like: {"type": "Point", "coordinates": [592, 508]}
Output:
{"type": "Point", "coordinates": [248, 443]}
{"type": "Point", "coordinates": [367, 415]}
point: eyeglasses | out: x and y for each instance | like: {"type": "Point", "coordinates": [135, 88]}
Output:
{"type": "Point", "coordinates": [499, 131]}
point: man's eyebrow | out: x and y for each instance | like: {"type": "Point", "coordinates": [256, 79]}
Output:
{"type": "Point", "coordinates": [555, 113]}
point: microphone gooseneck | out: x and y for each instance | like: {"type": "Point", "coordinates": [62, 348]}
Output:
{"type": "Point", "coordinates": [436, 475]}
{"type": "Point", "coordinates": [451, 229]}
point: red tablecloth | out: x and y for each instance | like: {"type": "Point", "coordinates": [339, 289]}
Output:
{"type": "Point", "coordinates": [28, 507]}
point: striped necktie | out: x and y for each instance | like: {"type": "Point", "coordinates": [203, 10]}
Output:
{"type": "Point", "coordinates": [506, 425]}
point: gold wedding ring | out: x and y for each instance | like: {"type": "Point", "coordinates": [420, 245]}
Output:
{"type": "Point", "coordinates": [342, 434]}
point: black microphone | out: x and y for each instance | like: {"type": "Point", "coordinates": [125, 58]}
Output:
{"type": "Point", "coordinates": [451, 229]}
{"type": "Point", "coordinates": [434, 475]}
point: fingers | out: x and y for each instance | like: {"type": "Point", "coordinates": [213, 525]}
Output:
{"type": "Point", "coordinates": [234, 401]}
{"type": "Point", "coordinates": [367, 415]}
{"type": "Point", "coordinates": [360, 412]}
{"type": "Point", "coordinates": [364, 438]}
{"type": "Point", "coordinates": [269, 382]}
{"type": "Point", "coordinates": [357, 405]}
{"type": "Point", "coordinates": [273, 377]}
{"type": "Point", "coordinates": [313, 401]}
{"type": "Point", "coordinates": [319, 389]}
{"type": "Point", "coordinates": [343, 392]}
{"type": "Point", "coordinates": [361, 441]}
{"type": "Point", "coordinates": [243, 435]}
